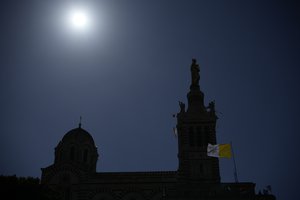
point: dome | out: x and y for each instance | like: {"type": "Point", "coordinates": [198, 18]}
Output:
{"type": "Point", "coordinates": [77, 148]}
{"type": "Point", "coordinates": [78, 135]}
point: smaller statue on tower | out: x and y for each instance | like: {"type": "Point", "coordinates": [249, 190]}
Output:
{"type": "Point", "coordinates": [182, 106]}
{"type": "Point", "coordinates": [211, 107]}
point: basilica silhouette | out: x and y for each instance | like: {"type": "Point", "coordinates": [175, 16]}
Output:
{"type": "Point", "coordinates": [73, 174]}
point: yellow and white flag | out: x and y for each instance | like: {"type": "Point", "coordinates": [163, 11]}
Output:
{"type": "Point", "coordinates": [219, 150]}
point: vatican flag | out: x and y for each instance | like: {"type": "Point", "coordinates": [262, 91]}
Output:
{"type": "Point", "coordinates": [219, 150]}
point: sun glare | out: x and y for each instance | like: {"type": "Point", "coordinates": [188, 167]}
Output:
{"type": "Point", "coordinates": [79, 19]}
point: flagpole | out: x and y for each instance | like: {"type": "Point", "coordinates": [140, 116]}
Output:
{"type": "Point", "coordinates": [235, 170]}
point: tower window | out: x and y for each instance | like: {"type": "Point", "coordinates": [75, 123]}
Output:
{"type": "Point", "coordinates": [206, 135]}
{"type": "Point", "coordinates": [191, 136]}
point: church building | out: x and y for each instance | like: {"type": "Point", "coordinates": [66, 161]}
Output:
{"type": "Point", "coordinates": [73, 174]}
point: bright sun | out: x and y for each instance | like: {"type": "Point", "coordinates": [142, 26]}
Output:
{"type": "Point", "coordinates": [79, 19]}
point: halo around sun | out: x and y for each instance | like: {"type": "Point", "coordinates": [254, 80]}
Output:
{"type": "Point", "coordinates": [80, 23]}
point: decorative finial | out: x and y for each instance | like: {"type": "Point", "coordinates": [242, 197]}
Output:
{"type": "Point", "coordinates": [80, 121]}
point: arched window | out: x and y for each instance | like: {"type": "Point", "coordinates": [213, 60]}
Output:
{"type": "Point", "coordinates": [72, 153]}
{"type": "Point", "coordinates": [85, 155]}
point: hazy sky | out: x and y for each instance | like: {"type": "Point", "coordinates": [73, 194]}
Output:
{"type": "Point", "coordinates": [127, 72]}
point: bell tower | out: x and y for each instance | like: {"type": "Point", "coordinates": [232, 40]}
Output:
{"type": "Point", "coordinates": [196, 127]}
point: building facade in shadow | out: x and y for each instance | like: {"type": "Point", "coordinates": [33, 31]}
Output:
{"type": "Point", "coordinates": [73, 174]}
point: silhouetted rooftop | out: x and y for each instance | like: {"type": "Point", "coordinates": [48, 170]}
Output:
{"type": "Point", "coordinates": [78, 135]}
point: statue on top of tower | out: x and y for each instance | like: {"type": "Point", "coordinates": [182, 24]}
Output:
{"type": "Point", "coordinates": [195, 72]}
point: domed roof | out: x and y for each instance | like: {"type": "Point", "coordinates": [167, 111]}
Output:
{"type": "Point", "coordinates": [78, 135]}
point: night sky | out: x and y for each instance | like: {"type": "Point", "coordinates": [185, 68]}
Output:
{"type": "Point", "coordinates": [127, 72]}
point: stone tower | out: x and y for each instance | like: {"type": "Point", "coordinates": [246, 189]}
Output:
{"type": "Point", "coordinates": [196, 127]}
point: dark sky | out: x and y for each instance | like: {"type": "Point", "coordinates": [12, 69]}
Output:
{"type": "Point", "coordinates": [126, 75]}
